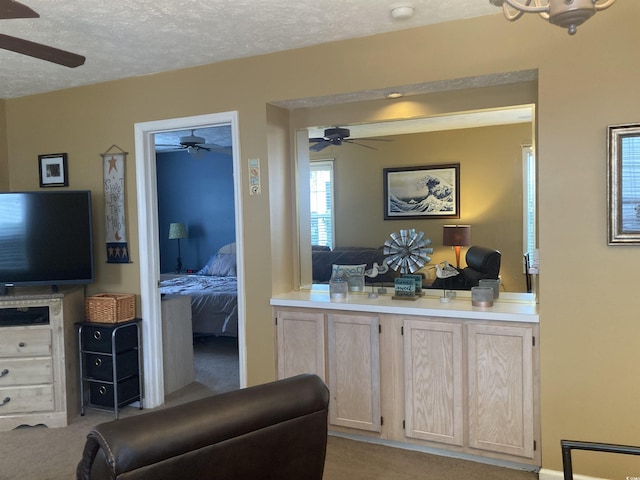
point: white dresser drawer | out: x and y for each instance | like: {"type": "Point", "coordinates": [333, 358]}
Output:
{"type": "Point", "coordinates": [25, 371]}
{"type": "Point", "coordinates": [26, 399]}
{"type": "Point", "coordinates": [25, 343]}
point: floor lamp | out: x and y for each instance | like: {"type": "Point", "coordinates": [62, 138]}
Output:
{"type": "Point", "coordinates": [176, 232]}
{"type": "Point", "coordinates": [456, 236]}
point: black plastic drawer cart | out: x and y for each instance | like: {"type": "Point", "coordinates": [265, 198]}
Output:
{"type": "Point", "coordinates": [110, 364]}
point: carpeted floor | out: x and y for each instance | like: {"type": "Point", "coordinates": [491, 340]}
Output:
{"type": "Point", "coordinates": [353, 460]}
{"type": "Point", "coordinates": [216, 363]}
{"type": "Point", "coordinates": [40, 453]}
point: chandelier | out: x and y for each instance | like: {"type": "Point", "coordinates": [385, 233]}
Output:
{"type": "Point", "coordinates": [567, 14]}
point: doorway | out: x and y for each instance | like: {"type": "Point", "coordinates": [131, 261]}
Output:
{"type": "Point", "coordinates": [147, 197]}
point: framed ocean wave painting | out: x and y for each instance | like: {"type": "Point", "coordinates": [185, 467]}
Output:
{"type": "Point", "coordinates": [428, 191]}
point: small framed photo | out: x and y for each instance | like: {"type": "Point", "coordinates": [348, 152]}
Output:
{"type": "Point", "coordinates": [430, 191]}
{"type": "Point", "coordinates": [53, 170]}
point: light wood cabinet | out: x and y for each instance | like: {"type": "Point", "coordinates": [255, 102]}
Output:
{"type": "Point", "coordinates": [300, 343]}
{"type": "Point", "coordinates": [501, 410]}
{"type": "Point", "coordinates": [471, 385]}
{"type": "Point", "coordinates": [341, 349]}
{"type": "Point", "coordinates": [354, 371]}
{"type": "Point", "coordinates": [38, 358]}
{"type": "Point", "coordinates": [434, 402]}
{"type": "Point", "coordinates": [464, 385]}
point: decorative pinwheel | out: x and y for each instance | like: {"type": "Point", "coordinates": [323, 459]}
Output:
{"type": "Point", "coordinates": [407, 250]}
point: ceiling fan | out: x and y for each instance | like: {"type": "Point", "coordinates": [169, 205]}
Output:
{"type": "Point", "coordinates": [196, 145]}
{"type": "Point", "coordinates": [10, 9]}
{"type": "Point", "coordinates": [338, 136]}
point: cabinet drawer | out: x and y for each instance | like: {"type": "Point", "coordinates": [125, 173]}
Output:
{"type": "Point", "coordinates": [97, 338]}
{"type": "Point", "coordinates": [25, 371]}
{"type": "Point", "coordinates": [26, 399]}
{"type": "Point", "coordinates": [100, 366]}
{"type": "Point", "coordinates": [26, 343]}
{"type": "Point", "coordinates": [101, 394]}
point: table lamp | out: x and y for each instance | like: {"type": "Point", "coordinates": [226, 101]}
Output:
{"type": "Point", "coordinates": [456, 236]}
{"type": "Point", "coordinates": [176, 232]}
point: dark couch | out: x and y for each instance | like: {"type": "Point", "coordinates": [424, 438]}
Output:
{"type": "Point", "coordinates": [324, 259]}
{"type": "Point", "coordinates": [273, 431]}
{"type": "Point", "coordinates": [482, 262]}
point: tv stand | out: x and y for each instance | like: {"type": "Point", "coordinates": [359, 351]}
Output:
{"type": "Point", "coordinates": [38, 352]}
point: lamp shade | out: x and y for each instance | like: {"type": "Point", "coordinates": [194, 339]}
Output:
{"type": "Point", "coordinates": [177, 230]}
{"type": "Point", "coordinates": [456, 235]}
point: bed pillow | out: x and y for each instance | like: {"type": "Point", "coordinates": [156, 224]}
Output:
{"type": "Point", "coordinates": [220, 265]}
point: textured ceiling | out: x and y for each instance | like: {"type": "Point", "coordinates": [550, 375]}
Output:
{"type": "Point", "coordinates": [126, 38]}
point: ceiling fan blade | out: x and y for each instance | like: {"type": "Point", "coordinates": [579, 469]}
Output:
{"type": "Point", "coordinates": [11, 9]}
{"type": "Point", "coordinates": [320, 146]}
{"type": "Point", "coordinates": [317, 139]}
{"type": "Point", "coordinates": [369, 139]}
{"type": "Point", "coordinates": [359, 144]}
{"type": "Point", "coordinates": [214, 148]}
{"type": "Point", "coordinates": [43, 52]}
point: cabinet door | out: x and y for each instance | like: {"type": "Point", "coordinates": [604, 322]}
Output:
{"type": "Point", "coordinates": [354, 371]}
{"type": "Point", "coordinates": [500, 366]}
{"type": "Point", "coordinates": [301, 344]}
{"type": "Point", "coordinates": [434, 404]}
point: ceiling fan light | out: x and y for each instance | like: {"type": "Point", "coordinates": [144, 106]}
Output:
{"type": "Point", "coordinates": [569, 14]}
{"type": "Point", "coordinates": [573, 15]}
{"type": "Point", "coordinates": [392, 95]}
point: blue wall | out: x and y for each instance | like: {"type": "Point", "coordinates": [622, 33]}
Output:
{"type": "Point", "coordinates": [199, 193]}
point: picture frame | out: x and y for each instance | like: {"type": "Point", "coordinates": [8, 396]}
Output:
{"type": "Point", "coordinates": [52, 170]}
{"type": "Point", "coordinates": [623, 184]}
{"type": "Point", "coordinates": [426, 191]}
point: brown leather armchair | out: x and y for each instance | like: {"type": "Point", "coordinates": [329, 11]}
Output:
{"type": "Point", "coordinates": [277, 430]}
{"type": "Point", "coordinates": [482, 262]}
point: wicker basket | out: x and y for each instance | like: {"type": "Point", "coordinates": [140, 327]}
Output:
{"type": "Point", "coordinates": [110, 307]}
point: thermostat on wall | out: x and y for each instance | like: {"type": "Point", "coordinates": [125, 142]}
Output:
{"type": "Point", "coordinates": [254, 176]}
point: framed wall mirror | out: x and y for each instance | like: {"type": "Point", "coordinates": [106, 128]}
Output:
{"type": "Point", "coordinates": [493, 145]}
{"type": "Point", "coordinates": [623, 184]}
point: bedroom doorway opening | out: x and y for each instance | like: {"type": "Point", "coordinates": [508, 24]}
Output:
{"type": "Point", "coordinates": [149, 248]}
{"type": "Point", "coordinates": [196, 224]}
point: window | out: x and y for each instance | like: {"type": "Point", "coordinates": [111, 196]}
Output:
{"type": "Point", "coordinates": [630, 191]}
{"type": "Point", "coordinates": [529, 199]}
{"type": "Point", "coordinates": [321, 186]}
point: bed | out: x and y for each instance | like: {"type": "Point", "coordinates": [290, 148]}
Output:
{"type": "Point", "coordinates": [214, 294]}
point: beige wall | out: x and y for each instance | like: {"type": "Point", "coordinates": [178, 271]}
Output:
{"type": "Point", "coordinates": [589, 298]}
{"type": "Point", "coordinates": [490, 160]}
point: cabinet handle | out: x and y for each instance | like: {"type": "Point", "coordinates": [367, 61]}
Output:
{"type": "Point", "coordinates": [98, 362]}
{"type": "Point", "coordinates": [102, 390]}
{"type": "Point", "coordinates": [5, 401]}
{"type": "Point", "coordinates": [4, 372]}
{"type": "Point", "coordinates": [21, 344]}
{"type": "Point", "coordinates": [97, 335]}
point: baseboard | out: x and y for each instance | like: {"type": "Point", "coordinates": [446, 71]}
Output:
{"type": "Point", "coordinates": [546, 474]}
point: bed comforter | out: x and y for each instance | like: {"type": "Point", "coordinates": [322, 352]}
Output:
{"type": "Point", "coordinates": [214, 302]}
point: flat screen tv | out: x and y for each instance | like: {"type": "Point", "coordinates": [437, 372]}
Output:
{"type": "Point", "coordinates": [45, 238]}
